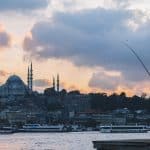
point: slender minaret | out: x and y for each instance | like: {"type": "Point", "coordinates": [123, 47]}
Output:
{"type": "Point", "coordinates": [53, 83]}
{"type": "Point", "coordinates": [28, 78]}
{"type": "Point", "coordinates": [31, 77]}
{"type": "Point", "coordinates": [57, 82]}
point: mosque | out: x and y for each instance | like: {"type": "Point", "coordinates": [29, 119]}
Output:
{"type": "Point", "coordinates": [14, 85]}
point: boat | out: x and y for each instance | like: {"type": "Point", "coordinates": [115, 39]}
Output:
{"type": "Point", "coordinates": [7, 130]}
{"type": "Point", "coordinates": [123, 129]}
{"type": "Point", "coordinates": [148, 128]}
{"type": "Point", "coordinates": [42, 128]}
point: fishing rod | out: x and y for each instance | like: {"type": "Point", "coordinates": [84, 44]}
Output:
{"type": "Point", "coordinates": [136, 55]}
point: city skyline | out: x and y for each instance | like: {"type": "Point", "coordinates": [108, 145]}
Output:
{"type": "Point", "coordinates": [76, 40]}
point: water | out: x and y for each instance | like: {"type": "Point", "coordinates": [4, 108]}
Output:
{"type": "Point", "coordinates": [60, 141]}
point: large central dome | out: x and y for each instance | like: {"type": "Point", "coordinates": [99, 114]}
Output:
{"type": "Point", "coordinates": [13, 79]}
{"type": "Point", "coordinates": [13, 86]}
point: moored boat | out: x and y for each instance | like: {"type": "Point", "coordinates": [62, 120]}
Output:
{"type": "Point", "coordinates": [123, 129]}
{"type": "Point", "coordinates": [42, 128]}
{"type": "Point", "coordinates": [7, 130]}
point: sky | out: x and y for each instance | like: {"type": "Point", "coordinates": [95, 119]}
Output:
{"type": "Point", "coordinates": [80, 40]}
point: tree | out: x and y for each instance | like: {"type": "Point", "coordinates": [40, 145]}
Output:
{"type": "Point", "coordinates": [75, 92]}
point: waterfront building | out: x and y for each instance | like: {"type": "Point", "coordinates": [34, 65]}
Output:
{"type": "Point", "coordinates": [74, 104]}
{"type": "Point", "coordinates": [15, 117]}
{"type": "Point", "coordinates": [103, 119]}
{"type": "Point", "coordinates": [119, 120]}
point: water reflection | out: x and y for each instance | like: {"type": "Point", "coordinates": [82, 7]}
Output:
{"type": "Point", "coordinates": [59, 141]}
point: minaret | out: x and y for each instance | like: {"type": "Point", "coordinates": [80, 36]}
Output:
{"type": "Point", "coordinates": [57, 82]}
{"type": "Point", "coordinates": [53, 83]}
{"type": "Point", "coordinates": [31, 77]}
{"type": "Point", "coordinates": [28, 78]}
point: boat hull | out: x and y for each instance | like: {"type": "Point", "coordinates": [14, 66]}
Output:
{"type": "Point", "coordinates": [123, 129]}
{"type": "Point", "coordinates": [40, 130]}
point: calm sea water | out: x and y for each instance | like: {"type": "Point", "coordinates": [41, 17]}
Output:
{"type": "Point", "coordinates": [60, 141]}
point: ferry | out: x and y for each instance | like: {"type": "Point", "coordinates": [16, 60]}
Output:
{"type": "Point", "coordinates": [123, 129]}
{"type": "Point", "coordinates": [42, 128]}
{"type": "Point", "coordinates": [7, 130]}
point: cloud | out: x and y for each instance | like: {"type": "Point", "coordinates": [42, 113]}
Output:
{"type": "Point", "coordinates": [42, 83]}
{"type": "Point", "coordinates": [13, 5]}
{"type": "Point", "coordinates": [105, 80]}
{"type": "Point", "coordinates": [94, 38]}
{"type": "Point", "coordinates": [121, 3]}
{"type": "Point", "coordinates": [77, 5]}
{"type": "Point", "coordinates": [3, 73]}
{"type": "Point", "coordinates": [5, 38]}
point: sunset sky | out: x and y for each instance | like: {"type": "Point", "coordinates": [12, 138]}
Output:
{"type": "Point", "coordinates": [79, 39]}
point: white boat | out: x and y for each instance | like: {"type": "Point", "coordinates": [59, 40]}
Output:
{"type": "Point", "coordinates": [123, 129]}
{"type": "Point", "coordinates": [7, 130]}
{"type": "Point", "coordinates": [42, 128]}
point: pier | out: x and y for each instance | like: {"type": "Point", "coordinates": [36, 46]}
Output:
{"type": "Point", "coordinates": [139, 144]}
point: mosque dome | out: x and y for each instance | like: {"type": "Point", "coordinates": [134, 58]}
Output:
{"type": "Point", "coordinates": [14, 79]}
{"type": "Point", "coordinates": [13, 86]}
